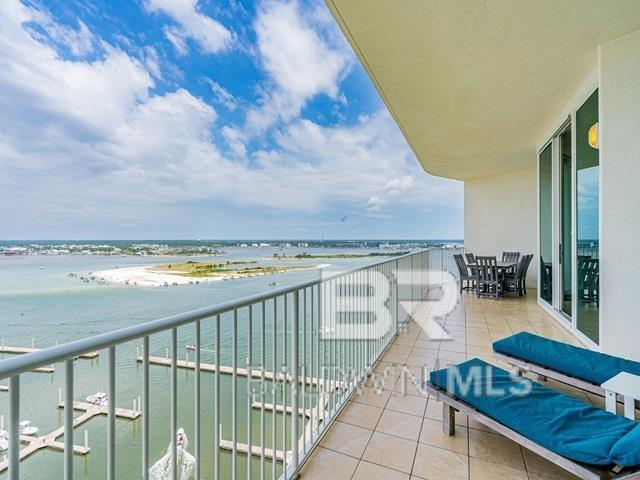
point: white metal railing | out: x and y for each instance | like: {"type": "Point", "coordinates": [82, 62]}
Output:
{"type": "Point", "coordinates": [301, 350]}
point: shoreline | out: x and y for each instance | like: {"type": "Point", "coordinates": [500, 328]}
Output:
{"type": "Point", "coordinates": [146, 276]}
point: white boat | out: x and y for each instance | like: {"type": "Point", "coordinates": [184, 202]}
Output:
{"type": "Point", "coordinates": [99, 399]}
{"type": "Point", "coordinates": [26, 428]}
{"type": "Point", "coordinates": [4, 440]}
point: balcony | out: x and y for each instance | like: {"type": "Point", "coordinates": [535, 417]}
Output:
{"type": "Point", "coordinates": [246, 366]}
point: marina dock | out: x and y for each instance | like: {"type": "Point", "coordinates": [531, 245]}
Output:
{"type": "Point", "coordinates": [50, 441]}
{"type": "Point", "coordinates": [20, 350]}
{"type": "Point", "coordinates": [241, 372]}
{"type": "Point", "coordinates": [256, 450]}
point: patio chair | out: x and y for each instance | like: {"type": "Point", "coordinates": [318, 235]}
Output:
{"type": "Point", "coordinates": [524, 275]}
{"type": "Point", "coordinates": [465, 276]}
{"type": "Point", "coordinates": [514, 282]}
{"type": "Point", "coordinates": [578, 437]}
{"type": "Point", "coordinates": [489, 278]}
{"type": "Point", "coordinates": [471, 260]}
{"type": "Point", "coordinates": [576, 366]}
{"type": "Point", "coordinates": [510, 256]}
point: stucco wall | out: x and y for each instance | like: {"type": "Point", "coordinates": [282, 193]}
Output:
{"type": "Point", "coordinates": [620, 195]}
{"type": "Point", "coordinates": [500, 215]}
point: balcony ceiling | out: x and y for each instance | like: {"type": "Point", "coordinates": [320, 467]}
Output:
{"type": "Point", "coordinates": [472, 84]}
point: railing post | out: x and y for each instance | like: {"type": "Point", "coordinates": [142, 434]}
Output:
{"type": "Point", "coordinates": [14, 428]}
{"type": "Point", "coordinates": [68, 419]}
{"type": "Point", "coordinates": [111, 416]}
{"type": "Point", "coordinates": [294, 383]}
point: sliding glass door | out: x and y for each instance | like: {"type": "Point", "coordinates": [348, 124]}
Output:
{"type": "Point", "coordinates": [545, 181]}
{"type": "Point", "coordinates": [568, 203]}
{"type": "Point", "coordinates": [566, 237]}
{"type": "Point", "coordinates": [588, 219]}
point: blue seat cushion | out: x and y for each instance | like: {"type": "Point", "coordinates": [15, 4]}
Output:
{"type": "Point", "coordinates": [554, 420]}
{"type": "Point", "coordinates": [594, 367]}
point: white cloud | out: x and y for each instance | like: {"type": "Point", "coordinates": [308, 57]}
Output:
{"type": "Point", "coordinates": [79, 42]}
{"type": "Point", "coordinates": [222, 95]}
{"type": "Point", "coordinates": [301, 62]}
{"type": "Point", "coordinates": [210, 35]}
{"type": "Point", "coordinates": [84, 140]}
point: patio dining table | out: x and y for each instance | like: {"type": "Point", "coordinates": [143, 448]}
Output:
{"type": "Point", "coordinates": [502, 266]}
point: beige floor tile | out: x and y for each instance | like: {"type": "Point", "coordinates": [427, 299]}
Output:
{"type": "Point", "coordinates": [432, 434]}
{"type": "Point", "coordinates": [483, 470]}
{"type": "Point", "coordinates": [371, 396]}
{"type": "Point", "coordinates": [538, 465]}
{"type": "Point", "coordinates": [495, 448]}
{"type": "Point", "coordinates": [432, 463]}
{"type": "Point", "coordinates": [405, 403]}
{"type": "Point", "coordinates": [390, 451]}
{"type": "Point", "coordinates": [326, 463]}
{"type": "Point", "coordinates": [399, 424]}
{"type": "Point", "coordinates": [371, 471]}
{"type": "Point", "coordinates": [362, 415]}
{"type": "Point", "coordinates": [347, 439]}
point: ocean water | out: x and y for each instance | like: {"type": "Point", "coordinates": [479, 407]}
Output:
{"type": "Point", "coordinates": [40, 303]}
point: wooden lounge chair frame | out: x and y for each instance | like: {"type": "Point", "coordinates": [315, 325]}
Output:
{"type": "Point", "coordinates": [451, 405]}
{"type": "Point", "coordinates": [521, 366]}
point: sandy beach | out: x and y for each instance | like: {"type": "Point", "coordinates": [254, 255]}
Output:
{"type": "Point", "coordinates": [152, 276]}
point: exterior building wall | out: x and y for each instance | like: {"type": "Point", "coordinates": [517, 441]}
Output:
{"type": "Point", "coordinates": [500, 214]}
{"type": "Point", "coordinates": [620, 195]}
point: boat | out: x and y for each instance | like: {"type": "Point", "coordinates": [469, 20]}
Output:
{"type": "Point", "coordinates": [4, 440]}
{"type": "Point", "coordinates": [191, 348]}
{"type": "Point", "coordinates": [99, 399]}
{"type": "Point", "coordinates": [26, 428]}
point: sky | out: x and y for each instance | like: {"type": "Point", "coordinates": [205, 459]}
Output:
{"type": "Point", "coordinates": [125, 119]}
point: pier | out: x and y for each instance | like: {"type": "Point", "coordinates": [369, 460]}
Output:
{"type": "Point", "coordinates": [242, 372]}
{"type": "Point", "coordinates": [20, 350]}
{"type": "Point", "coordinates": [256, 450]}
{"type": "Point", "coordinates": [50, 441]}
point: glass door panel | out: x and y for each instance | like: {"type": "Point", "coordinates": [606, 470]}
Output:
{"type": "Point", "coordinates": [546, 224]}
{"type": "Point", "coordinates": [588, 220]}
{"type": "Point", "coordinates": [566, 181]}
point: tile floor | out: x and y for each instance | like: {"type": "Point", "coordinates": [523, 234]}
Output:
{"type": "Point", "coordinates": [391, 430]}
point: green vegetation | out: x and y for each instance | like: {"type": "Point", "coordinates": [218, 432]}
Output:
{"type": "Point", "coordinates": [224, 269]}
{"type": "Point", "coordinates": [306, 255]}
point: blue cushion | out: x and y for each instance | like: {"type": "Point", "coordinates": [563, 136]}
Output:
{"type": "Point", "coordinates": [594, 367]}
{"type": "Point", "coordinates": [558, 422]}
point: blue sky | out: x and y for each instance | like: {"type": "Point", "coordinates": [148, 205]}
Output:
{"type": "Point", "coordinates": [200, 119]}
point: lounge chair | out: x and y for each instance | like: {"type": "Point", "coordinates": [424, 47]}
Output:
{"type": "Point", "coordinates": [586, 441]}
{"type": "Point", "coordinates": [575, 366]}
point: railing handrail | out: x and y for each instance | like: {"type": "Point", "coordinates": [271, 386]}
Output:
{"type": "Point", "coordinates": [30, 361]}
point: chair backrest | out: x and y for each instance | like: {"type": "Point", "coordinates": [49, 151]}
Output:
{"type": "Point", "coordinates": [470, 257]}
{"type": "Point", "coordinates": [526, 267]}
{"type": "Point", "coordinates": [462, 267]}
{"type": "Point", "coordinates": [487, 269]}
{"type": "Point", "coordinates": [521, 271]}
{"type": "Point", "coordinates": [510, 256]}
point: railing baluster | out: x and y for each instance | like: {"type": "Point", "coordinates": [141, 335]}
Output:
{"type": "Point", "coordinates": [145, 408]}
{"type": "Point", "coordinates": [197, 400]}
{"type": "Point", "coordinates": [174, 403]}
{"type": "Point", "coordinates": [68, 419]}
{"type": "Point", "coordinates": [274, 387]}
{"type": "Point", "coordinates": [263, 362]}
{"type": "Point", "coordinates": [303, 373]}
{"type": "Point", "coordinates": [249, 396]}
{"type": "Point", "coordinates": [321, 387]}
{"type": "Point", "coordinates": [295, 321]}
{"type": "Point", "coordinates": [234, 395]}
{"type": "Point", "coordinates": [284, 383]}
{"type": "Point", "coordinates": [14, 427]}
{"type": "Point", "coordinates": [111, 416]}
{"type": "Point", "coordinates": [216, 405]}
